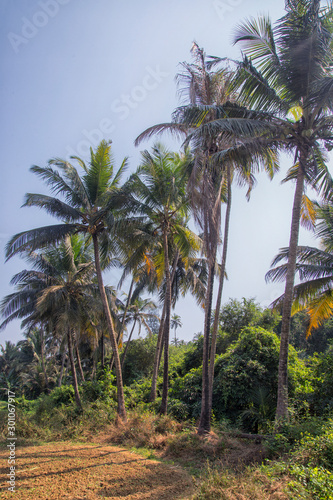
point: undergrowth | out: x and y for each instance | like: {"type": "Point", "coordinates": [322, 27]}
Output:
{"type": "Point", "coordinates": [301, 455]}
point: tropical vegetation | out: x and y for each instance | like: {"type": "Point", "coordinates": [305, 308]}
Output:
{"type": "Point", "coordinates": [259, 373]}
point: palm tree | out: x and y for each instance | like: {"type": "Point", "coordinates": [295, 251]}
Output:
{"type": "Point", "coordinates": [9, 367]}
{"type": "Point", "coordinates": [93, 204]}
{"type": "Point", "coordinates": [286, 80]}
{"type": "Point", "coordinates": [210, 183]}
{"type": "Point", "coordinates": [174, 324]}
{"type": "Point", "coordinates": [139, 311]}
{"type": "Point", "coordinates": [314, 267]}
{"type": "Point", "coordinates": [64, 291]}
{"type": "Point", "coordinates": [160, 185]}
{"type": "Point", "coordinates": [292, 74]}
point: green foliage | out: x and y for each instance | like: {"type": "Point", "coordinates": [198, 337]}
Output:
{"type": "Point", "coordinates": [138, 392]}
{"type": "Point", "coordinates": [322, 371]}
{"type": "Point", "coordinates": [103, 388]}
{"type": "Point", "coordinates": [317, 342]}
{"type": "Point", "coordinates": [61, 395]}
{"type": "Point", "coordinates": [249, 365]}
{"type": "Point", "coordinates": [188, 390]}
{"type": "Point", "coordinates": [193, 356]}
{"type": "Point", "coordinates": [178, 409]}
{"type": "Point", "coordinates": [317, 451]}
{"type": "Point", "coordinates": [236, 315]}
{"type": "Point", "coordinates": [139, 359]}
{"type": "Point", "coordinates": [245, 383]}
{"type": "Point", "coordinates": [317, 480]}
{"type": "Point", "coordinates": [311, 463]}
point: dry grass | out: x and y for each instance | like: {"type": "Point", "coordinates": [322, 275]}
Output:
{"type": "Point", "coordinates": [249, 485]}
{"type": "Point", "coordinates": [142, 431]}
{"type": "Point", "coordinates": [58, 471]}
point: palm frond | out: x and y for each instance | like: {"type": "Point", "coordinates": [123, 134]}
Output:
{"type": "Point", "coordinates": [53, 206]}
{"type": "Point", "coordinates": [38, 238]}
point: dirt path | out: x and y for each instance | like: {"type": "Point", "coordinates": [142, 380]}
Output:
{"type": "Point", "coordinates": [69, 471]}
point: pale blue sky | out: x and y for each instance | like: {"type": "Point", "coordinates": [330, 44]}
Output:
{"type": "Point", "coordinates": [77, 71]}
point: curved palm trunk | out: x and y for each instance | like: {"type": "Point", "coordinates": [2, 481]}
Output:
{"type": "Point", "coordinates": [282, 401]}
{"type": "Point", "coordinates": [127, 344]}
{"type": "Point", "coordinates": [71, 358]}
{"type": "Point", "coordinates": [78, 359]}
{"type": "Point", "coordinates": [220, 290]}
{"type": "Point", "coordinates": [102, 350]}
{"type": "Point", "coordinates": [62, 369]}
{"type": "Point", "coordinates": [159, 345]}
{"type": "Point", "coordinates": [123, 320]}
{"type": "Point", "coordinates": [164, 404]}
{"type": "Point", "coordinates": [121, 410]}
{"type": "Point", "coordinates": [204, 424]}
{"type": "Point", "coordinates": [42, 355]}
{"type": "Point", "coordinates": [157, 358]}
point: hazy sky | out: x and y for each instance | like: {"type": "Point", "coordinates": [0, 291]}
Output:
{"type": "Point", "coordinates": [77, 71]}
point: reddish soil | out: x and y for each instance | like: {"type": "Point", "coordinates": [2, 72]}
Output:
{"type": "Point", "coordinates": [58, 471]}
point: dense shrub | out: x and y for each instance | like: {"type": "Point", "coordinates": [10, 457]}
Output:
{"type": "Point", "coordinates": [188, 390]}
{"type": "Point", "coordinates": [61, 395]}
{"type": "Point", "coordinates": [103, 388]}
{"type": "Point", "coordinates": [322, 372]}
{"type": "Point", "coordinates": [246, 377]}
{"type": "Point", "coordinates": [139, 359]}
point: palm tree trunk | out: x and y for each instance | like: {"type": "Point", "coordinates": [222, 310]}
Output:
{"type": "Point", "coordinates": [129, 296]}
{"type": "Point", "coordinates": [42, 355]}
{"type": "Point", "coordinates": [220, 290]}
{"type": "Point", "coordinates": [159, 346]}
{"type": "Point", "coordinates": [62, 368]}
{"type": "Point", "coordinates": [71, 358]}
{"type": "Point", "coordinates": [164, 404]}
{"type": "Point", "coordinates": [102, 350]}
{"type": "Point", "coordinates": [78, 359]}
{"type": "Point", "coordinates": [157, 358]}
{"type": "Point", "coordinates": [121, 410]}
{"type": "Point", "coordinates": [282, 401]}
{"type": "Point", "coordinates": [127, 344]}
{"type": "Point", "coordinates": [204, 424]}
{"type": "Point", "coordinates": [95, 354]}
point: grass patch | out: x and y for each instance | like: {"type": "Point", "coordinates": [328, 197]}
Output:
{"type": "Point", "coordinates": [250, 484]}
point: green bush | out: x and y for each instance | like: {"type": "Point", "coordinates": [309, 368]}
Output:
{"type": "Point", "coordinates": [317, 450]}
{"type": "Point", "coordinates": [245, 384]}
{"type": "Point", "coordinates": [178, 409]}
{"type": "Point", "coordinates": [321, 401]}
{"type": "Point", "coordinates": [311, 461]}
{"type": "Point", "coordinates": [188, 390]}
{"type": "Point", "coordinates": [103, 388]}
{"type": "Point", "coordinates": [61, 395]}
{"type": "Point", "coordinates": [139, 359]}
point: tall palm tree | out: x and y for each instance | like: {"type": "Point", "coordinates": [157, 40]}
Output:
{"type": "Point", "coordinates": [286, 80]}
{"type": "Point", "coordinates": [92, 206]}
{"type": "Point", "coordinates": [293, 74]}
{"type": "Point", "coordinates": [204, 90]}
{"type": "Point", "coordinates": [314, 266]}
{"type": "Point", "coordinates": [160, 185]}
